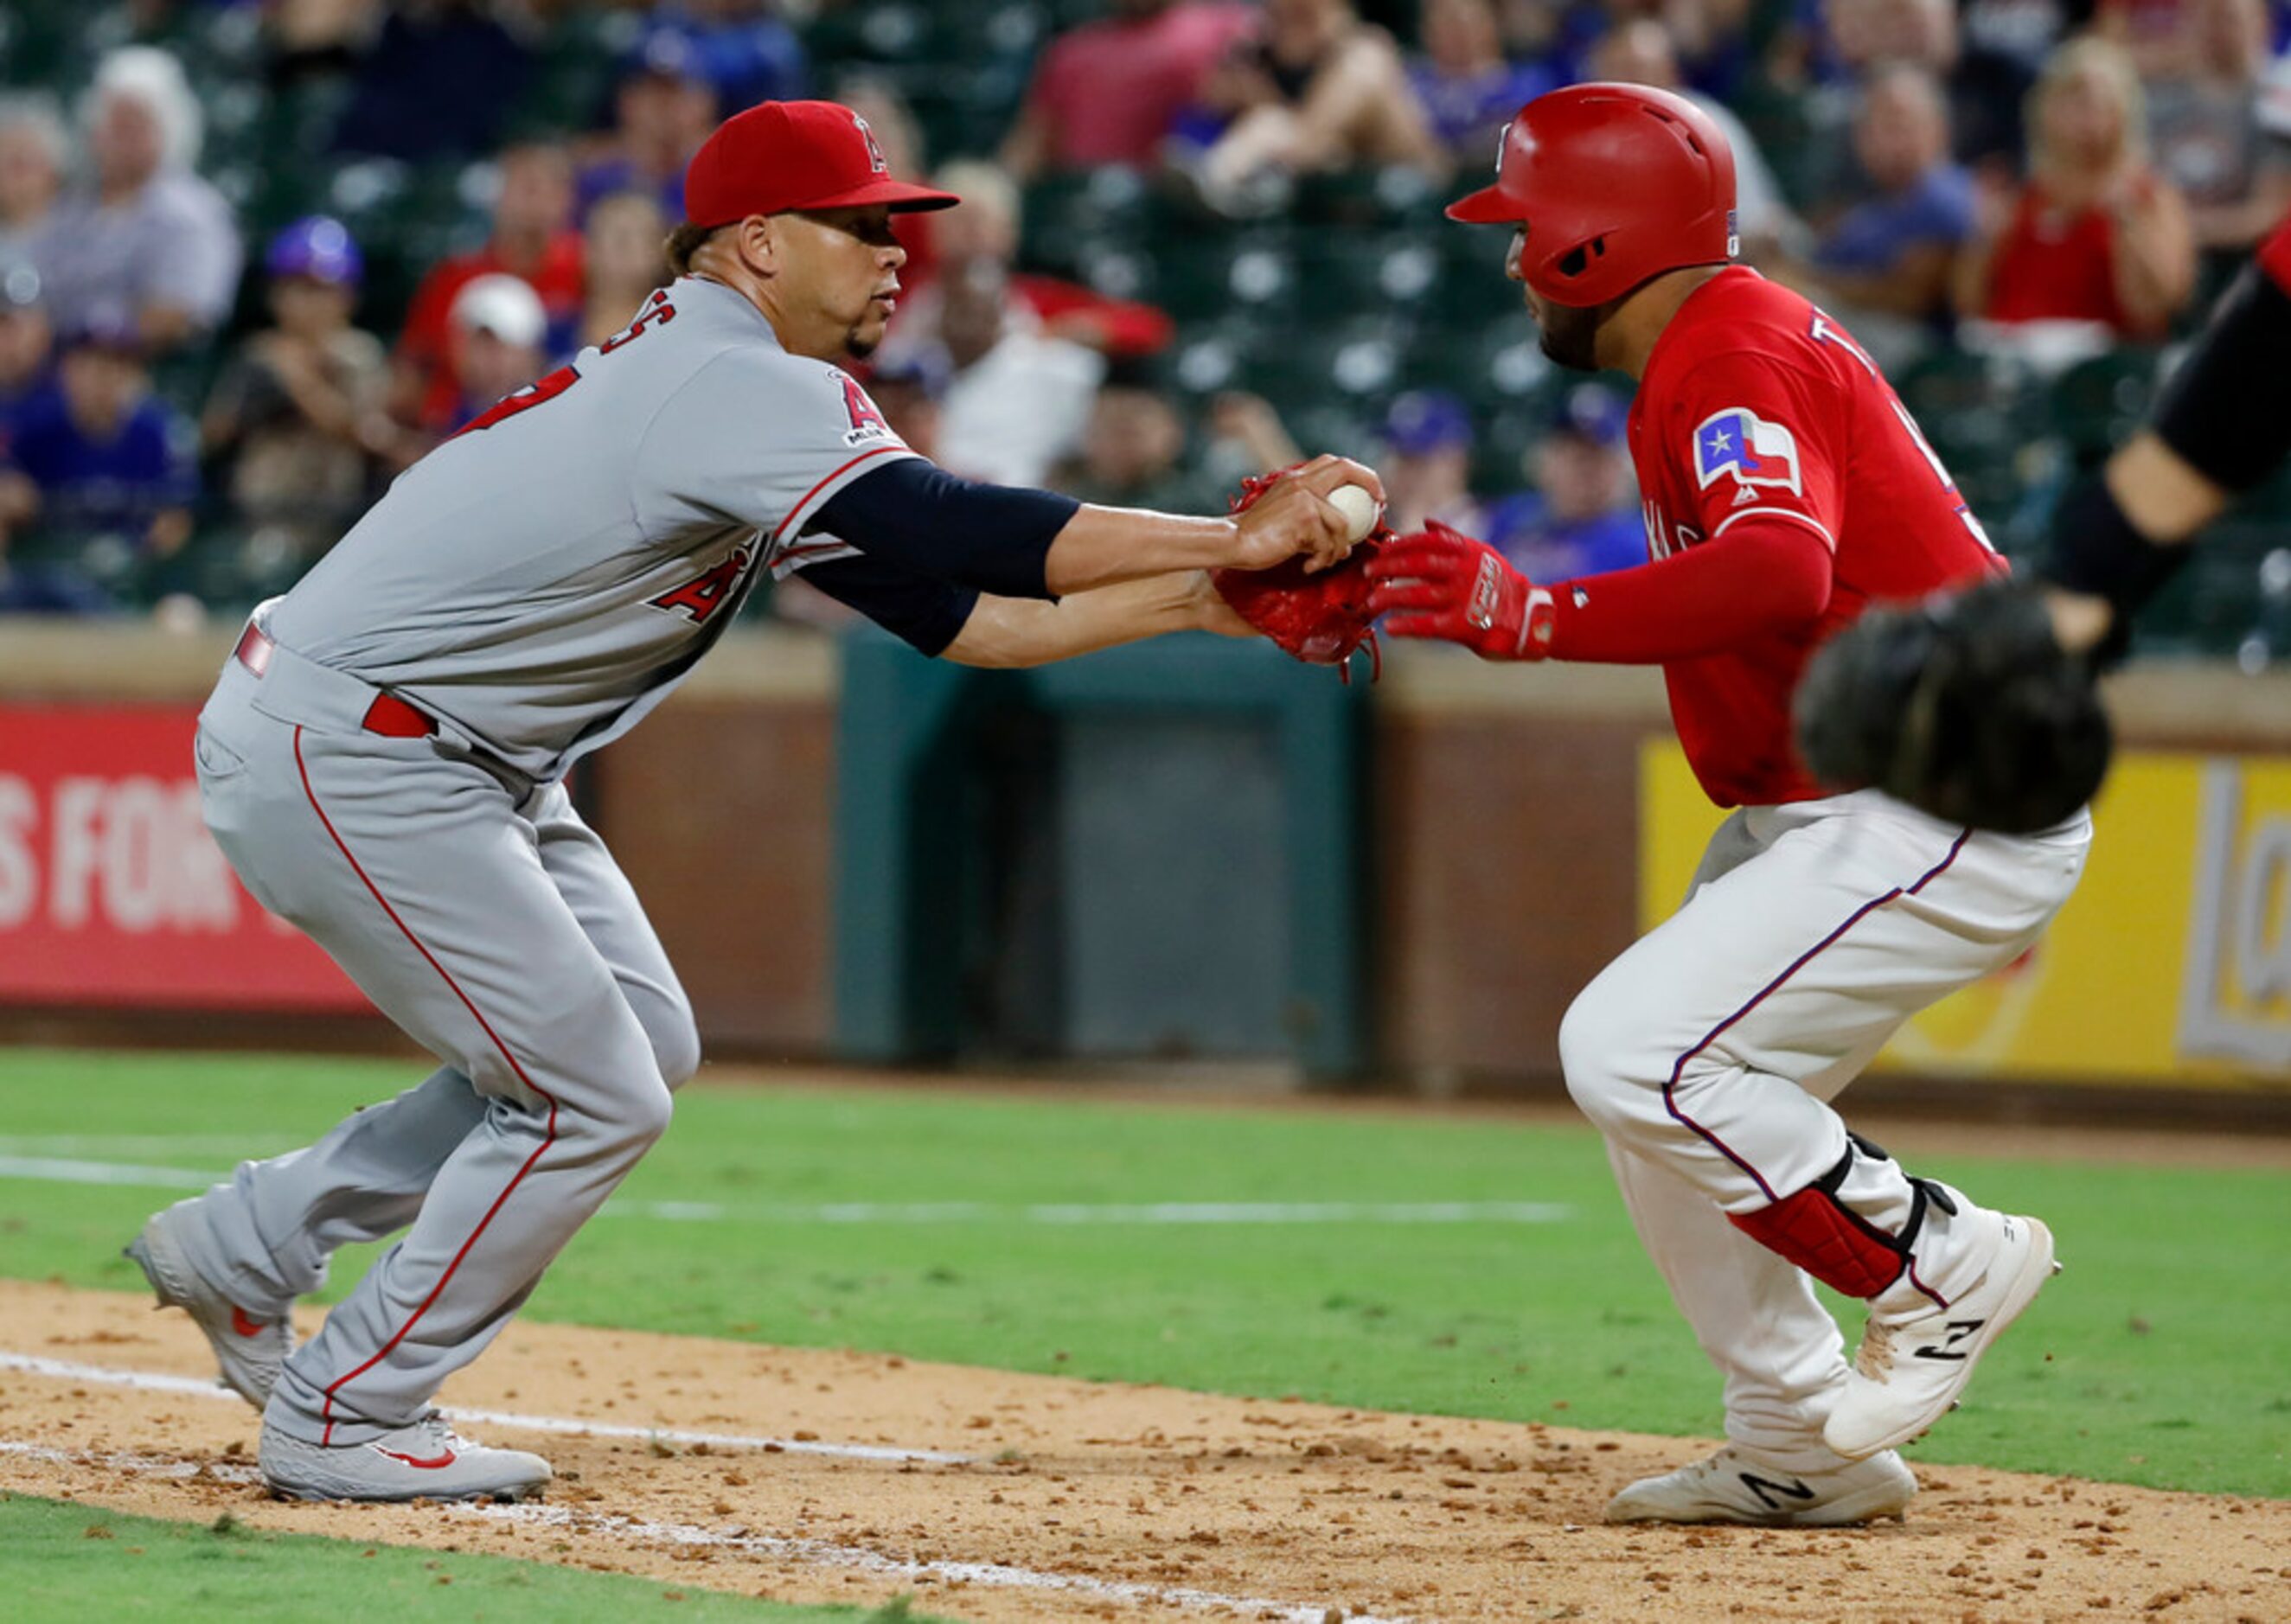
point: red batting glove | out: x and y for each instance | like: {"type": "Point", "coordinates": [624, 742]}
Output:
{"type": "Point", "coordinates": [1439, 582]}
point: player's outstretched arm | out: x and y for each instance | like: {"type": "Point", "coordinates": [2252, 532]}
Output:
{"type": "Point", "coordinates": [2221, 425]}
{"type": "Point", "coordinates": [1767, 575]}
{"type": "Point", "coordinates": [1007, 632]}
{"type": "Point", "coordinates": [1026, 544]}
{"type": "Point", "coordinates": [1294, 519]}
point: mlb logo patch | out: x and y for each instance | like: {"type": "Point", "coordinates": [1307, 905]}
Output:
{"type": "Point", "coordinates": [1755, 452]}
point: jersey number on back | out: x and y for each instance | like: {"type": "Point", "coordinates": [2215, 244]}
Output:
{"type": "Point", "coordinates": [1823, 332]}
{"type": "Point", "coordinates": [657, 312]}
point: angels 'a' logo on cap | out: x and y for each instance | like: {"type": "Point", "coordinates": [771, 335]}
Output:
{"type": "Point", "coordinates": [874, 147]}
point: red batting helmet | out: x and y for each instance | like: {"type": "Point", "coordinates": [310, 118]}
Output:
{"type": "Point", "coordinates": [1615, 183]}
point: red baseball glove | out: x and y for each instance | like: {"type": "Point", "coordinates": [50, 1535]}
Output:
{"type": "Point", "coordinates": [1322, 619]}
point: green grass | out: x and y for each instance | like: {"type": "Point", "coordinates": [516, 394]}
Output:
{"type": "Point", "coordinates": [155, 1569]}
{"type": "Point", "coordinates": [2156, 1358]}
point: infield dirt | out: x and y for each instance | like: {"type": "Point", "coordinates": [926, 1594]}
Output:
{"type": "Point", "coordinates": [1105, 1487]}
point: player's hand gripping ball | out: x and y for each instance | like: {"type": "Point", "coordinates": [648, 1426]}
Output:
{"type": "Point", "coordinates": [1963, 705]}
{"type": "Point", "coordinates": [1322, 619]}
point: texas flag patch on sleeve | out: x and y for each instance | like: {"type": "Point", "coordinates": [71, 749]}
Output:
{"type": "Point", "coordinates": [1755, 452]}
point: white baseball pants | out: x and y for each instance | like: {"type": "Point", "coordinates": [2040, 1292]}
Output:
{"type": "Point", "coordinates": [1709, 1052]}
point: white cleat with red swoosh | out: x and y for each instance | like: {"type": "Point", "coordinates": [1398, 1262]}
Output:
{"type": "Point", "coordinates": [425, 1460]}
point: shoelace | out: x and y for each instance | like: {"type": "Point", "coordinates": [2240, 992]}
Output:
{"type": "Point", "coordinates": [1875, 1358]}
{"type": "Point", "coordinates": [436, 1429]}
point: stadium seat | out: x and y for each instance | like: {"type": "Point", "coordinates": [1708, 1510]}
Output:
{"type": "Point", "coordinates": [1492, 364]}
{"type": "Point", "coordinates": [2096, 403]}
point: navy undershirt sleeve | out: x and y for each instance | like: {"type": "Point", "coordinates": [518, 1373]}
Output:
{"type": "Point", "coordinates": [915, 514]}
{"type": "Point", "coordinates": [919, 609]}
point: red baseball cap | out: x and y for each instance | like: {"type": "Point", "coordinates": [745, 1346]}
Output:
{"type": "Point", "coordinates": [779, 156]}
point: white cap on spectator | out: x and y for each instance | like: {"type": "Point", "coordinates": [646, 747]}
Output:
{"type": "Point", "coordinates": [503, 305]}
{"type": "Point", "coordinates": [149, 75]}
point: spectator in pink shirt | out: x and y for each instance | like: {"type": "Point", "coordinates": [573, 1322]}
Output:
{"type": "Point", "coordinates": [1107, 92]}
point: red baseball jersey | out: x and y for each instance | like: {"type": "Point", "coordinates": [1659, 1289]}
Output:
{"type": "Point", "coordinates": [1758, 407]}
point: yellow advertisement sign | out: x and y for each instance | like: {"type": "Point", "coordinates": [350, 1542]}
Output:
{"type": "Point", "coordinates": [2172, 964]}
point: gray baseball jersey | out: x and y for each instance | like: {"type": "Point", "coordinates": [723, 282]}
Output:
{"type": "Point", "coordinates": [545, 578]}
{"type": "Point", "coordinates": [535, 585]}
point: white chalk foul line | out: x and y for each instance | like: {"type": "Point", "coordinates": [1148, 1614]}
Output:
{"type": "Point", "coordinates": [192, 1386]}
{"type": "Point", "coordinates": [233, 1146]}
{"type": "Point", "coordinates": [65, 1170]}
{"type": "Point", "coordinates": [811, 1552]}
{"type": "Point", "coordinates": [60, 1169]}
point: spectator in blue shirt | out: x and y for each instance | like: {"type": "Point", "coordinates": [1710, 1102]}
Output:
{"type": "Point", "coordinates": [742, 48]}
{"type": "Point", "coordinates": [1583, 518]}
{"type": "Point", "coordinates": [1884, 265]}
{"type": "Point", "coordinates": [663, 109]}
{"type": "Point", "coordinates": [28, 382]}
{"type": "Point", "coordinates": [1469, 92]}
{"type": "Point", "coordinates": [100, 482]}
{"type": "Point", "coordinates": [1427, 463]}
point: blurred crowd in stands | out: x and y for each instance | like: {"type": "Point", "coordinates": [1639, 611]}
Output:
{"type": "Point", "coordinates": [257, 255]}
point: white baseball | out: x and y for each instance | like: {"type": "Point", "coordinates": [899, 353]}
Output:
{"type": "Point", "coordinates": [1360, 508]}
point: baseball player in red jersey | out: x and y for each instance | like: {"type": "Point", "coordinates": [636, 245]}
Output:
{"type": "Point", "coordinates": [1785, 488]}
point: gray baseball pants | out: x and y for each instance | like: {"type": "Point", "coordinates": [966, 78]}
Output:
{"type": "Point", "coordinates": [488, 921]}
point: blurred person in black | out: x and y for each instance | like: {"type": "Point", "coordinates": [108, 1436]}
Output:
{"type": "Point", "coordinates": [440, 80]}
{"type": "Point", "coordinates": [2003, 46]}
{"type": "Point", "coordinates": [297, 414]}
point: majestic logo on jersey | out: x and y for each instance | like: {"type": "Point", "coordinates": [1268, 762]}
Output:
{"type": "Point", "coordinates": [701, 597]}
{"type": "Point", "coordinates": [867, 421]}
{"type": "Point", "coordinates": [874, 147]}
{"type": "Point", "coordinates": [1755, 452]}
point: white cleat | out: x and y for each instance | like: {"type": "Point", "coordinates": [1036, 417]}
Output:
{"type": "Point", "coordinates": [1732, 1486]}
{"type": "Point", "coordinates": [425, 1460]}
{"type": "Point", "coordinates": [248, 1352]}
{"type": "Point", "coordinates": [1910, 1373]}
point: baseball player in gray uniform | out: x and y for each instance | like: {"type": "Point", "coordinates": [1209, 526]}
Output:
{"type": "Point", "coordinates": [382, 761]}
